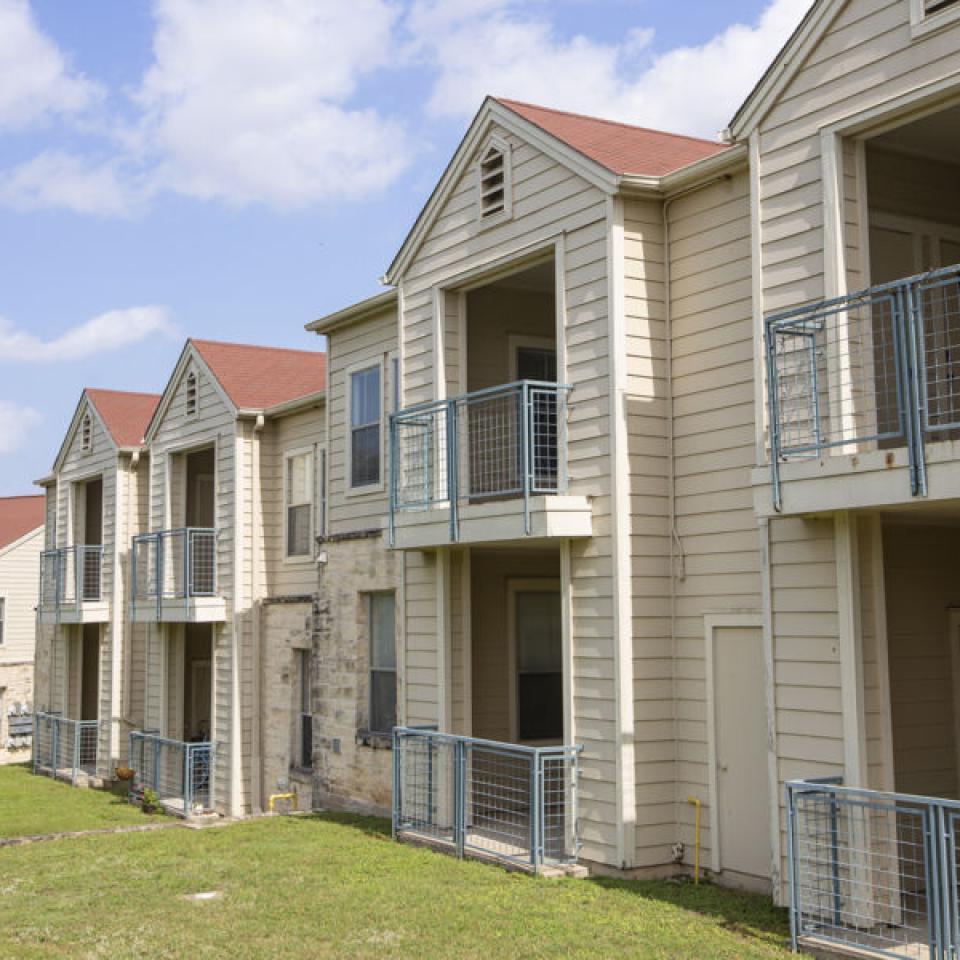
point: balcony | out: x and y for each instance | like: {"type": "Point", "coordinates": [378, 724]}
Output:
{"type": "Point", "coordinates": [71, 585]}
{"type": "Point", "coordinates": [64, 749]}
{"type": "Point", "coordinates": [488, 466]}
{"type": "Point", "coordinates": [174, 577]}
{"type": "Point", "coordinates": [180, 773]}
{"type": "Point", "coordinates": [864, 398]}
{"type": "Point", "coordinates": [507, 802]}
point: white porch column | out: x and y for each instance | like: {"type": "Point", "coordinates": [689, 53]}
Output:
{"type": "Point", "coordinates": [444, 658]}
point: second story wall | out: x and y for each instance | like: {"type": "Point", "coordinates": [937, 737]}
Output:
{"type": "Point", "coordinates": [356, 348]}
{"type": "Point", "coordinates": [19, 589]}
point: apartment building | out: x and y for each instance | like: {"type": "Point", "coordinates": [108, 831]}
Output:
{"type": "Point", "coordinates": [21, 540]}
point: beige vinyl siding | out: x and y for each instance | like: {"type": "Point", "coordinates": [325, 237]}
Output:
{"type": "Point", "coordinates": [19, 588]}
{"type": "Point", "coordinates": [549, 202]}
{"type": "Point", "coordinates": [365, 343]}
{"type": "Point", "coordinates": [305, 432]}
{"type": "Point", "coordinates": [653, 678]}
{"type": "Point", "coordinates": [717, 556]}
{"type": "Point", "coordinates": [866, 59]}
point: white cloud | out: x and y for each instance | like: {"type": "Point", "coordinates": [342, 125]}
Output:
{"type": "Point", "coordinates": [35, 79]}
{"type": "Point", "coordinates": [506, 48]}
{"type": "Point", "coordinates": [105, 332]}
{"type": "Point", "coordinates": [250, 100]}
{"type": "Point", "coordinates": [17, 422]}
{"type": "Point", "coordinates": [70, 182]}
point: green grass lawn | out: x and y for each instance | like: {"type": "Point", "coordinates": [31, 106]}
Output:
{"type": "Point", "coordinates": [30, 805]}
{"type": "Point", "coordinates": [338, 886]}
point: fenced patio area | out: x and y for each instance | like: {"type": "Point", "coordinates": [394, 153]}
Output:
{"type": "Point", "coordinates": [64, 749]}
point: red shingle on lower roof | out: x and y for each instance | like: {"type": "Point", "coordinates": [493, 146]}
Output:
{"type": "Point", "coordinates": [620, 147]}
{"type": "Point", "coordinates": [18, 516]}
{"type": "Point", "coordinates": [259, 377]}
{"type": "Point", "coordinates": [125, 414]}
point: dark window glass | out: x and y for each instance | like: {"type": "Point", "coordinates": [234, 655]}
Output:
{"type": "Point", "coordinates": [383, 663]}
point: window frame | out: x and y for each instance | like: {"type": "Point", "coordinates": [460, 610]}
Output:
{"type": "Point", "coordinates": [304, 706]}
{"type": "Point", "coordinates": [924, 21]}
{"type": "Point", "coordinates": [288, 455]}
{"type": "Point", "coordinates": [371, 668]}
{"type": "Point", "coordinates": [506, 212]}
{"type": "Point", "coordinates": [515, 586]}
{"type": "Point", "coordinates": [379, 485]}
{"type": "Point", "coordinates": [3, 620]}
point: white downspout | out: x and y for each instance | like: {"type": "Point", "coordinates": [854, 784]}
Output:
{"type": "Point", "coordinates": [256, 766]}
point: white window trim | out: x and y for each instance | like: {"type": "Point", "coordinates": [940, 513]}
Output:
{"type": "Point", "coordinates": [506, 213]}
{"type": "Point", "coordinates": [517, 341]}
{"type": "Point", "coordinates": [321, 489]}
{"type": "Point", "coordinates": [3, 620]}
{"type": "Point", "coordinates": [923, 23]}
{"type": "Point", "coordinates": [515, 586]}
{"type": "Point", "coordinates": [287, 456]}
{"type": "Point", "coordinates": [380, 485]}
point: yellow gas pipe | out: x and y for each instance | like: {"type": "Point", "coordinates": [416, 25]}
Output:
{"type": "Point", "coordinates": [696, 868]}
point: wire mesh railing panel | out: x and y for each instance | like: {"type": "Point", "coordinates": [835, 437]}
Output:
{"type": "Point", "coordinates": [44, 743]}
{"type": "Point", "coordinates": [938, 336]}
{"type": "Point", "coordinates": [420, 454]}
{"type": "Point", "coordinates": [837, 375]}
{"type": "Point", "coordinates": [144, 559]}
{"type": "Point", "coordinates": [179, 773]}
{"type": "Point", "coordinates": [865, 871]}
{"type": "Point", "coordinates": [175, 564]}
{"type": "Point", "coordinates": [501, 802]}
{"type": "Point", "coordinates": [424, 785]}
{"type": "Point", "coordinates": [65, 748]}
{"type": "Point", "coordinates": [90, 571]}
{"type": "Point", "coordinates": [490, 457]}
{"type": "Point", "coordinates": [202, 560]}
{"type": "Point", "coordinates": [509, 802]}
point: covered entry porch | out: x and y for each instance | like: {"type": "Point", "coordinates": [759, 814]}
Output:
{"type": "Point", "coordinates": [496, 776]}
{"type": "Point", "coordinates": [872, 850]}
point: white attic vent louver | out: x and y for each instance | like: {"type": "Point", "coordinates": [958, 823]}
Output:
{"type": "Point", "coordinates": [86, 434]}
{"type": "Point", "coordinates": [191, 394]}
{"type": "Point", "coordinates": [493, 182]}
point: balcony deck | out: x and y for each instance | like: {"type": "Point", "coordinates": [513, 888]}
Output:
{"type": "Point", "coordinates": [71, 585]}
{"type": "Point", "coordinates": [484, 467]}
{"type": "Point", "coordinates": [864, 399]}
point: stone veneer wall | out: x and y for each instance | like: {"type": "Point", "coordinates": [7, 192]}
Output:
{"type": "Point", "coordinates": [351, 769]}
{"type": "Point", "coordinates": [16, 686]}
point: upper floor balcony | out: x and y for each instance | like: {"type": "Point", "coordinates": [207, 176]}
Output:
{"type": "Point", "coordinates": [485, 466]}
{"type": "Point", "coordinates": [864, 398]}
{"type": "Point", "coordinates": [173, 574]}
{"type": "Point", "coordinates": [71, 585]}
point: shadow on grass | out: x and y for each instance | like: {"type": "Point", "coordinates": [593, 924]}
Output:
{"type": "Point", "coordinates": [370, 826]}
{"type": "Point", "coordinates": [748, 914]}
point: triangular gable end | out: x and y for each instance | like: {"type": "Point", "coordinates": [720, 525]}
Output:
{"type": "Point", "coordinates": [189, 355]}
{"type": "Point", "coordinates": [783, 69]}
{"type": "Point", "coordinates": [84, 405]}
{"type": "Point", "coordinates": [477, 137]}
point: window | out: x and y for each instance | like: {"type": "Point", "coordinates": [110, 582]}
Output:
{"type": "Point", "coordinates": [493, 183]}
{"type": "Point", "coordinates": [191, 394]}
{"type": "Point", "coordinates": [383, 663]}
{"type": "Point", "coordinates": [539, 665]}
{"type": "Point", "coordinates": [305, 759]}
{"type": "Point", "coordinates": [298, 497]}
{"type": "Point", "coordinates": [3, 617]}
{"type": "Point", "coordinates": [86, 434]}
{"type": "Point", "coordinates": [365, 408]}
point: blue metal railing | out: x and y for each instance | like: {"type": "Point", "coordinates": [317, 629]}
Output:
{"type": "Point", "coordinates": [173, 564]}
{"type": "Point", "coordinates": [873, 872]}
{"type": "Point", "coordinates": [64, 748]}
{"type": "Point", "coordinates": [503, 442]}
{"type": "Point", "coordinates": [70, 576]}
{"type": "Point", "coordinates": [180, 773]}
{"type": "Point", "coordinates": [503, 801]}
{"type": "Point", "coordinates": [877, 369]}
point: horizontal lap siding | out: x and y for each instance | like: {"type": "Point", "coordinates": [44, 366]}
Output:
{"type": "Point", "coordinates": [305, 431]}
{"type": "Point", "coordinates": [19, 586]}
{"type": "Point", "coordinates": [369, 341]}
{"type": "Point", "coordinates": [867, 58]}
{"type": "Point", "coordinates": [718, 559]}
{"type": "Point", "coordinates": [548, 201]}
{"type": "Point", "coordinates": [647, 409]}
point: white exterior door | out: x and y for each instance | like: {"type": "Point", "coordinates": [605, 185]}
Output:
{"type": "Point", "coordinates": [741, 749]}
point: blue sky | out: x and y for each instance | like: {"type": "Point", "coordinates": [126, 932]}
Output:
{"type": "Point", "coordinates": [235, 168]}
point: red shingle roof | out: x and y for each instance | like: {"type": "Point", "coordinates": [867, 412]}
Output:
{"type": "Point", "coordinates": [125, 415]}
{"type": "Point", "coordinates": [620, 147]}
{"type": "Point", "coordinates": [18, 516]}
{"type": "Point", "coordinates": [255, 378]}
